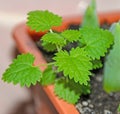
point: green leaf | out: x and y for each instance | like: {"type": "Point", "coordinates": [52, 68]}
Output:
{"type": "Point", "coordinates": [69, 90]}
{"type": "Point", "coordinates": [96, 41]}
{"type": "Point", "coordinates": [112, 72]}
{"type": "Point", "coordinates": [71, 35]}
{"type": "Point", "coordinates": [75, 64]}
{"type": "Point", "coordinates": [97, 64]}
{"type": "Point", "coordinates": [90, 18]}
{"type": "Point", "coordinates": [48, 77]}
{"type": "Point", "coordinates": [54, 38]}
{"type": "Point", "coordinates": [111, 81]}
{"type": "Point", "coordinates": [49, 47]}
{"type": "Point", "coordinates": [22, 71]}
{"type": "Point", "coordinates": [63, 91]}
{"type": "Point", "coordinates": [43, 20]}
{"type": "Point", "coordinates": [115, 29]}
{"type": "Point", "coordinates": [118, 109]}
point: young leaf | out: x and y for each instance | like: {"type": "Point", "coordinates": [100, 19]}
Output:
{"type": "Point", "coordinates": [96, 41]}
{"type": "Point", "coordinates": [22, 71]}
{"type": "Point", "coordinates": [71, 35]}
{"type": "Point", "coordinates": [48, 77]}
{"type": "Point", "coordinates": [42, 20]}
{"type": "Point", "coordinates": [69, 90]}
{"type": "Point", "coordinates": [111, 81]}
{"type": "Point", "coordinates": [115, 29]}
{"type": "Point", "coordinates": [49, 47]}
{"type": "Point", "coordinates": [63, 91]}
{"type": "Point", "coordinates": [54, 38]}
{"type": "Point", "coordinates": [90, 18]}
{"type": "Point", "coordinates": [97, 64]}
{"type": "Point", "coordinates": [76, 65]}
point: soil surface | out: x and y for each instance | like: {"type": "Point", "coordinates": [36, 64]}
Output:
{"type": "Point", "coordinates": [98, 102]}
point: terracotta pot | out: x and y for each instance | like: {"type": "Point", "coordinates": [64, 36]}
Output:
{"type": "Point", "coordinates": [24, 38]}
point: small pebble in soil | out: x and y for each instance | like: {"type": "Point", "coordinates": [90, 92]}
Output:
{"type": "Point", "coordinates": [79, 107]}
{"type": "Point", "coordinates": [86, 110]}
{"type": "Point", "coordinates": [91, 106]}
{"type": "Point", "coordinates": [85, 103]}
{"type": "Point", "coordinates": [93, 113]}
{"type": "Point", "coordinates": [107, 112]}
{"type": "Point", "coordinates": [89, 101]}
{"type": "Point", "coordinates": [85, 107]}
{"type": "Point", "coordinates": [99, 78]}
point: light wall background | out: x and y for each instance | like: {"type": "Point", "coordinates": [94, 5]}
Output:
{"type": "Point", "coordinates": [13, 12]}
{"type": "Point", "coordinates": [16, 10]}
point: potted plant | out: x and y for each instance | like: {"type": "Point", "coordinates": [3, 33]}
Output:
{"type": "Point", "coordinates": [67, 74]}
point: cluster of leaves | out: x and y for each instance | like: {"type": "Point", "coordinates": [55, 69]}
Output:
{"type": "Point", "coordinates": [75, 65]}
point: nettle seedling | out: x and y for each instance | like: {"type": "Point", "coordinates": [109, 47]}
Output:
{"type": "Point", "coordinates": [70, 70]}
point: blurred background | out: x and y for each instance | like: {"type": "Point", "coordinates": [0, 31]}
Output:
{"type": "Point", "coordinates": [13, 12]}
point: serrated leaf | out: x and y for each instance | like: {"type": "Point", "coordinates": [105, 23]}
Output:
{"type": "Point", "coordinates": [48, 76]}
{"type": "Point", "coordinates": [43, 20]}
{"type": "Point", "coordinates": [63, 91]}
{"type": "Point", "coordinates": [22, 71]}
{"type": "Point", "coordinates": [49, 47]}
{"type": "Point", "coordinates": [70, 91]}
{"type": "Point", "coordinates": [111, 81]}
{"type": "Point", "coordinates": [75, 64]}
{"type": "Point", "coordinates": [54, 38]}
{"type": "Point", "coordinates": [71, 35]}
{"type": "Point", "coordinates": [97, 64]}
{"type": "Point", "coordinates": [96, 41]}
{"type": "Point", "coordinates": [90, 18]}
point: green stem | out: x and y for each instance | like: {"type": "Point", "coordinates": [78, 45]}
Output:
{"type": "Point", "coordinates": [47, 64]}
{"type": "Point", "coordinates": [58, 48]}
{"type": "Point", "coordinates": [51, 31]}
{"type": "Point", "coordinates": [67, 79]}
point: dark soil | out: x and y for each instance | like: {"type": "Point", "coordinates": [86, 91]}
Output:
{"type": "Point", "coordinates": [98, 102]}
